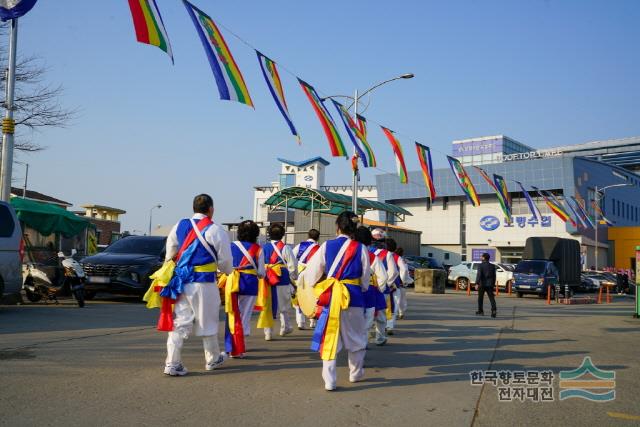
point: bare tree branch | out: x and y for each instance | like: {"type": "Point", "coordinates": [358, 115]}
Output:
{"type": "Point", "coordinates": [36, 103]}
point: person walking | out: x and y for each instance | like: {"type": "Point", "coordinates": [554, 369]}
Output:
{"type": "Point", "coordinates": [200, 248]}
{"type": "Point", "coordinates": [485, 283]}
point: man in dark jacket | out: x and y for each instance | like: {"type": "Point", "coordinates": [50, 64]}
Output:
{"type": "Point", "coordinates": [485, 282]}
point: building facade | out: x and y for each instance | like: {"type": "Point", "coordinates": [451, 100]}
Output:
{"type": "Point", "coordinates": [107, 222]}
{"type": "Point", "coordinates": [453, 230]}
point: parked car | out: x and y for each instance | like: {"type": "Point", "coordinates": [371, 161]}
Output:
{"type": "Point", "coordinates": [125, 266]}
{"type": "Point", "coordinates": [587, 284]}
{"type": "Point", "coordinates": [599, 278]}
{"type": "Point", "coordinates": [11, 251]}
{"type": "Point", "coordinates": [465, 273]}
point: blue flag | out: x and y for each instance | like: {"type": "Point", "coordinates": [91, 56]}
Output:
{"type": "Point", "coordinates": [12, 9]}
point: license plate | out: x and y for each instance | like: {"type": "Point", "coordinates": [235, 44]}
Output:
{"type": "Point", "coordinates": [525, 286]}
{"type": "Point", "coordinates": [99, 279]}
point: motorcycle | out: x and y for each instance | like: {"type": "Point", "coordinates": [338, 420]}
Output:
{"type": "Point", "coordinates": [37, 285]}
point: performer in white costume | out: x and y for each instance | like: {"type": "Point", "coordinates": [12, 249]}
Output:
{"type": "Point", "coordinates": [375, 304]}
{"type": "Point", "coordinates": [340, 325]}
{"type": "Point", "coordinates": [303, 252]}
{"type": "Point", "coordinates": [405, 279]}
{"type": "Point", "coordinates": [281, 268]}
{"type": "Point", "coordinates": [201, 247]}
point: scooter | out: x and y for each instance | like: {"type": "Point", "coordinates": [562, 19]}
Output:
{"type": "Point", "coordinates": [38, 286]}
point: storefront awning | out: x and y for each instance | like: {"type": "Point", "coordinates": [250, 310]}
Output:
{"type": "Point", "coordinates": [308, 199]}
{"type": "Point", "coordinates": [47, 219]}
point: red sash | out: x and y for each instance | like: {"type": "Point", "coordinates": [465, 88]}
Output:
{"type": "Point", "coordinates": [201, 225]}
{"type": "Point", "coordinates": [325, 298]}
{"type": "Point", "coordinates": [272, 278]}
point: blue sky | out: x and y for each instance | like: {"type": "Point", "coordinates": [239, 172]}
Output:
{"type": "Point", "coordinates": [543, 72]}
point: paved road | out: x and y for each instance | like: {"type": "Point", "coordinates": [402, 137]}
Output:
{"type": "Point", "coordinates": [102, 365]}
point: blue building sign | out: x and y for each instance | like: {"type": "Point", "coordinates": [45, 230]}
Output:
{"type": "Point", "coordinates": [492, 223]}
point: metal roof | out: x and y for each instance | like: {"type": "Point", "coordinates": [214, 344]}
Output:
{"type": "Point", "coordinates": [303, 163]}
{"type": "Point", "coordinates": [309, 199]}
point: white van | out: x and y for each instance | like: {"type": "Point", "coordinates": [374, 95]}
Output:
{"type": "Point", "coordinates": [11, 251]}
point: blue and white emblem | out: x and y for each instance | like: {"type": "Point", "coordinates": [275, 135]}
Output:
{"type": "Point", "coordinates": [489, 223]}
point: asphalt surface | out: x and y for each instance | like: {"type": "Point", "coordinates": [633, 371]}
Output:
{"type": "Point", "coordinates": [102, 365]}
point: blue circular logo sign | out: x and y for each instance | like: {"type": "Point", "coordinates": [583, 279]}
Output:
{"type": "Point", "coordinates": [489, 223]}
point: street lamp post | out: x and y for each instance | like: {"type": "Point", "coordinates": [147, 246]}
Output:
{"type": "Point", "coordinates": [151, 216]}
{"type": "Point", "coordinates": [597, 212]}
{"type": "Point", "coordinates": [354, 104]}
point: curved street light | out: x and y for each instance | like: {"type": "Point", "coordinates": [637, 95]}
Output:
{"type": "Point", "coordinates": [354, 104]}
{"type": "Point", "coordinates": [597, 192]}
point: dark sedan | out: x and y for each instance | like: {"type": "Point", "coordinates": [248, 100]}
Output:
{"type": "Point", "coordinates": [125, 266]}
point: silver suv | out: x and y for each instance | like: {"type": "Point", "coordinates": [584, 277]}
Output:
{"type": "Point", "coordinates": [11, 251]}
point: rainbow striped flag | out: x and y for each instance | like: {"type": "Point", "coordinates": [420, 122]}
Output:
{"type": "Point", "coordinates": [576, 212]}
{"type": "Point", "coordinates": [424, 155]}
{"type": "Point", "coordinates": [149, 26]}
{"type": "Point", "coordinates": [272, 77]}
{"type": "Point", "coordinates": [504, 203]}
{"type": "Point", "coordinates": [229, 79]}
{"type": "Point", "coordinates": [532, 205]}
{"type": "Point", "coordinates": [397, 151]}
{"type": "Point", "coordinates": [347, 121]}
{"type": "Point", "coordinates": [583, 211]}
{"type": "Point", "coordinates": [555, 207]}
{"type": "Point", "coordinates": [599, 211]}
{"type": "Point", "coordinates": [328, 125]}
{"type": "Point", "coordinates": [464, 181]}
{"type": "Point", "coordinates": [501, 186]}
{"type": "Point", "coordinates": [359, 130]}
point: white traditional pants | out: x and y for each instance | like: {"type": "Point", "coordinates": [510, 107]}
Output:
{"type": "Point", "coordinates": [246, 304]}
{"type": "Point", "coordinates": [301, 319]}
{"type": "Point", "coordinates": [400, 300]}
{"type": "Point", "coordinates": [196, 311]}
{"type": "Point", "coordinates": [353, 339]}
{"type": "Point", "coordinates": [391, 323]}
{"type": "Point", "coordinates": [284, 308]}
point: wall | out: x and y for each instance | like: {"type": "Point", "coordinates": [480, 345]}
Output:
{"type": "Point", "coordinates": [624, 241]}
{"type": "Point", "coordinates": [438, 226]}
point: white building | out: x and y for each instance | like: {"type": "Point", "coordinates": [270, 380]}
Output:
{"type": "Point", "coordinates": [308, 173]}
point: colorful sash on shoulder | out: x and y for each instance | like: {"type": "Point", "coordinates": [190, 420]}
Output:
{"type": "Point", "coordinates": [168, 282]}
{"type": "Point", "coordinates": [233, 330]}
{"type": "Point", "coordinates": [333, 297]}
{"type": "Point", "coordinates": [267, 300]}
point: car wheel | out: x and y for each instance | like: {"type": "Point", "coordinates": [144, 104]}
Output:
{"type": "Point", "coordinates": [462, 283]}
{"type": "Point", "coordinates": [520, 294]}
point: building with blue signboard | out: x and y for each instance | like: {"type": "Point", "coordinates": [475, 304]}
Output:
{"type": "Point", "coordinates": [453, 230]}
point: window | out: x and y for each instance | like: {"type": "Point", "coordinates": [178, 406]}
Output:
{"type": "Point", "coordinates": [619, 208]}
{"type": "Point", "coordinates": [7, 225]}
{"type": "Point", "coordinates": [446, 255]}
{"type": "Point", "coordinates": [430, 254]}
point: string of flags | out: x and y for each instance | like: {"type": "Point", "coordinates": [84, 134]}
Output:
{"type": "Point", "coordinates": [150, 29]}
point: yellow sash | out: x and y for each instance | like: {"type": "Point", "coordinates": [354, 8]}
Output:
{"type": "Point", "coordinates": [294, 299]}
{"type": "Point", "coordinates": [388, 311]}
{"type": "Point", "coordinates": [339, 301]}
{"type": "Point", "coordinates": [162, 277]}
{"type": "Point", "coordinates": [231, 283]}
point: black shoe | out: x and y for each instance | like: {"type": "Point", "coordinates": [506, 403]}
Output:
{"type": "Point", "coordinates": [479, 313]}
{"type": "Point", "coordinates": [494, 313]}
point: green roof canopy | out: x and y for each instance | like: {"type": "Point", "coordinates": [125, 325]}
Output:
{"type": "Point", "coordinates": [327, 202]}
{"type": "Point", "coordinates": [46, 218]}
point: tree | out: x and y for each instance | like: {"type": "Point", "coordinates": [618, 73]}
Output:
{"type": "Point", "coordinates": [37, 103]}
